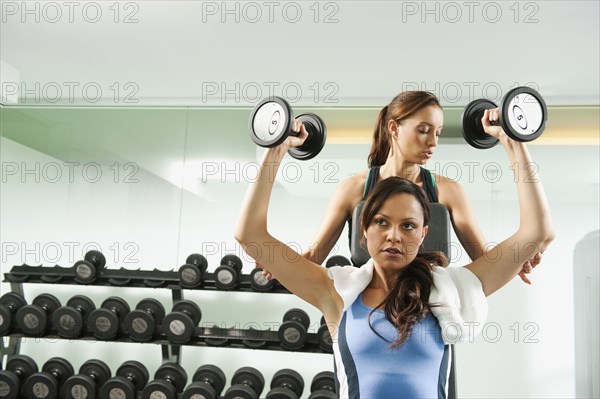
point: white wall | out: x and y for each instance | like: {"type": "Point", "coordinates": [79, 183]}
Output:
{"type": "Point", "coordinates": [156, 224]}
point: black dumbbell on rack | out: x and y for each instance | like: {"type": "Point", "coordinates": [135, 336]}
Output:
{"type": "Point", "coordinates": [34, 319]}
{"type": "Point", "coordinates": [523, 115]}
{"type": "Point", "coordinates": [69, 320]}
{"type": "Point", "coordinates": [107, 321]}
{"type": "Point", "coordinates": [131, 377]}
{"type": "Point", "coordinates": [259, 282]}
{"type": "Point", "coordinates": [18, 369]}
{"type": "Point", "coordinates": [141, 324]}
{"type": "Point", "coordinates": [92, 375]}
{"type": "Point", "coordinates": [10, 303]}
{"type": "Point", "coordinates": [46, 384]}
{"type": "Point", "coordinates": [208, 383]}
{"type": "Point", "coordinates": [324, 337]}
{"type": "Point", "coordinates": [323, 386]}
{"type": "Point", "coordinates": [179, 325]}
{"type": "Point", "coordinates": [293, 331]}
{"type": "Point", "coordinates": [286, 384]}
{"type": "Point", "coordinates": [191, 274]}
{"type": "Point", "coordinates": [270, 123]}
{"type": "Point", "coordinates": [246, 383]}
{"type": "Point", "coordinates": [88, 269]}
{"type": "Point", "coordinates": [337, 260]}
{"type": "Point", "coordinates": [169, 380]}
{"type": "Point", "coordinates": [227, 275]}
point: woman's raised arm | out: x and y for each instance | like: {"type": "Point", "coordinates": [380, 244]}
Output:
{"type": "Point", "coordinates": [503, 262]}
{"type": "Point", "coordinates": [300, 276]}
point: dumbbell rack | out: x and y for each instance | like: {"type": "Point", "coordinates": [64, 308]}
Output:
{"type": "Point", "coordinates": [203, 336]}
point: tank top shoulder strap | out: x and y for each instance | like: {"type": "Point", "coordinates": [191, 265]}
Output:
{"type": "Point", "coordinates": [372, 177]}
{"type": "Point", "coordinates": [429, 185]}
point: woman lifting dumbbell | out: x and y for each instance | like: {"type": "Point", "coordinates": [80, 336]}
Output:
{"type": "Point", "coordinates": [405, 137]}
{"type": "Point", "coordinates": [399, 302]}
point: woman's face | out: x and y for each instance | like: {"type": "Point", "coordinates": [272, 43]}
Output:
{"type": "Point", "coordinates": [418, 135]}
{"type": "Point", "coordinates": [396, 232]}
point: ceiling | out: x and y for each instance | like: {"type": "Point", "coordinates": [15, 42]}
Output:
{"type": "Point", "coordinates": [326, 53]}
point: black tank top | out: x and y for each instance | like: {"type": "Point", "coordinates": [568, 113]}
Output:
{"type": "Point", "coordinates": [373, 175]}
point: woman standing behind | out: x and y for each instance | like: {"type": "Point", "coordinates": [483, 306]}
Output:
{"type": "Point", "coordinates": [405, 138]}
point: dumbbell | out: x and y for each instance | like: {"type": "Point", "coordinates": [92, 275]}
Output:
{"type": "Point", "coordinates": [18, 369]}
{"type": "Point", "coordinates": [10, 303]}
{"type": "Point", "coordinates": [337, 260]}
{"type": "Point", "coordinates": [131, 377]}
{"type": "Point", "coordinates": [33, 319]}
{"type": "Point", "coordinates": [270, 123]}
{"type": "Point", "coordinates": [324, 337]}
{"type": "Point", "coordinates": [85, 385]}
{"type": "Point", "coordinates": [286, 384]}
{"type": "Point", "coordinates": [259, 282]}
{"type": "Point", "coordinates": [323, 386]}
{"type": "Point", "coordinates": [87, 270]}
{"type": "Point", "coordinates": [293, 331]}
{"type": "Point", "coordinates": [228, 274]}
{"type": "Point", "coordinates": [179, 325]}
{"type": "Point", "coordinates": [246, 383]}
{"type": "Point", "coordinates": [46, 384]}
{"type": "Point", "coordinates": [142, 323]}
{"type": "Point", "coordinates": [191, 275]}
{"type": "Point", "coordinates": [208, 383]}
{"type": "Point", "coordinates": [169, 380]}
{"type": "Point", "coordinates": [70, 319]}
{"type": "Point", "coordinates": [107, 321]}
{"type": "Point", "coordinates": [523, 116]}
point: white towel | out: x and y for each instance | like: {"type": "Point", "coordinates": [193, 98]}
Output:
{"type": "Point", "coordinates": [463, 305]}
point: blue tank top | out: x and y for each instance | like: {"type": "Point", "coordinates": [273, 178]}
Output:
{"type": "Point", "coordinates": [417, 369]}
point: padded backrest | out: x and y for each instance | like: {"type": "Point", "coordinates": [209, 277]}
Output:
{"type": "Point", "coordinates": [437, 238]}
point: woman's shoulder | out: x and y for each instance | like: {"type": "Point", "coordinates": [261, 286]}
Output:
{"type": "Point", "coordinates": [449, 190]}
{"type": "Point", "coordinates": [353, 186]}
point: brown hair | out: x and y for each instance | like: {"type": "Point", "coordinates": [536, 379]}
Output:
{"type": "Point", "coordinates": [408, 301]}
{"type": "Point", "coordinates": [403, 106]}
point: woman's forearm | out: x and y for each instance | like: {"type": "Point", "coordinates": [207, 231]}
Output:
{"type": "Point", "coordinates": [535, 221]}
{"type": "Point", "coordinates": [253, 214]}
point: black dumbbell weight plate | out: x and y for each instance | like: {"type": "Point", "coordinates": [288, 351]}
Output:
{"type": "Point", "coordinates": [314, 143]}
{"type": "Point", "coordinates": [259, 282]}
{"type": "Point", "coordinates": [298, 315]}
{"type": "Point", "coordinates": [248, 376]}
{"type": "Point", "coordinates": [337, 260]}
{"type": "Point", "coordinates": [324, 337]}
{"type": "Point", "coordinates": [96, 258]}
{"type": "Point", "coordinates": [141, 323]}
{"type": "Point", "coordinates": [323, 380]}
{"type": "Point", "coordinates": [11, 302]}
{"type": "Point", "coordinates": [199, 390]}
{"type": "Point", "coordinates": [22, 364]}
{"type": "Point", "coordinates": [270, 122]}
{"type": "Point", "coordinates": [289, 379]}
{"type": "Point", "coordinates": [523, 114]}
{"type": "Point", "coordinates": [9, 385]}
{"type": "Point", "coordinates": [87, 270]}
{"type": "Point", "coordinates": [98, 368]}
{"type": "Point", "coordinates": [471, 127]}
{"type": "Point", "coordinates": [104, 323]}
{"type": "Point", "coordinates": [60, 367]}
{"type": "Point", "coordinates": [175, 373]}
{"type": "Point", "coordinates": [33, 319]}
{"type": "Point", "coordinates": [212, 375]}
{"type": "Point", "coordinates": [179, 325]}
{"type": "Point", "coordinates": [68, 320]}
{"type": "Point", "coordinates": [137, 370]}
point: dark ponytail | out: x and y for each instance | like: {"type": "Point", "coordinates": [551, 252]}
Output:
{"type": "Point", "coordinates": [403, 106]}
